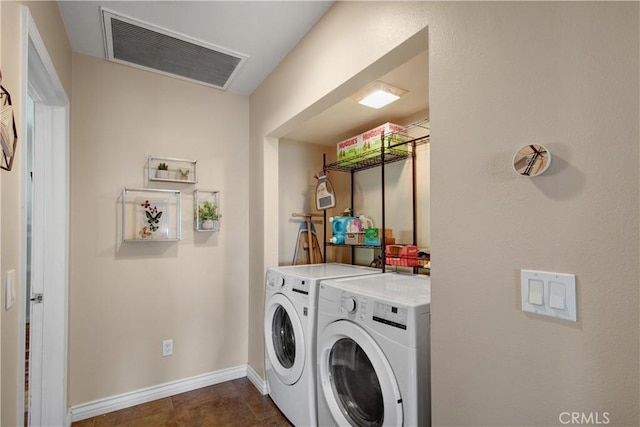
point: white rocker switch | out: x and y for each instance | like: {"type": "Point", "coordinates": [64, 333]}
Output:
{"type": "Point", "coordinates": [536, 292]}
{"type": "Point", "coordinates": [557, 295]}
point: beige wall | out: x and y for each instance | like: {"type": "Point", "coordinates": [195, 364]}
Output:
{"type": "Point", "coordinates": [501, 75]}
{"type": "Point", "coordinates": [12, 79]}
{"type": "Point", "coordinates": [573, 88]}
{"type": "Point", "coordinates": [299, 162]}
{"type": "Point", "coordinates": [49, 23]}
{"type": "Point", "coordinates": [126, 299]}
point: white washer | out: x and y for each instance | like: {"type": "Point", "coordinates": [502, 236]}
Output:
{"type": "Point", "coordinates": [373, 351]}
{"type": "Point", "coordinates": [291, 300]}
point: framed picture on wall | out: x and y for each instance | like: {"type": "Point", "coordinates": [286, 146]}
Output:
{"type": "Point", "coordinates": [151, 219]}
{"type": "Point", "coordinates": [8, 132]}
{"type": "Point", "coordinates": [150, 215]}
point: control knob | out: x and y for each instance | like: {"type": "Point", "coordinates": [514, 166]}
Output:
{"type": "Point", "coordinates": [350, 304]}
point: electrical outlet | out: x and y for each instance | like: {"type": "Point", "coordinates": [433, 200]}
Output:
{"type": "Point", "coordinates": [167, 348]}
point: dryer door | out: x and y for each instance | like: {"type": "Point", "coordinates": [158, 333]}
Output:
{"type": "Point", "coordinates": [357, 381]}
{"type": "Point", "coordinates": [284, 339]}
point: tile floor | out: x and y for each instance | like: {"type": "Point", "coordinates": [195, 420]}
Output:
{"type": "Point", "coordinates": [234, 403]}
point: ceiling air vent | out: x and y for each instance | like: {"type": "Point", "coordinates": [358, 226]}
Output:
{"type": "Point", "coordinates": [156, 49]}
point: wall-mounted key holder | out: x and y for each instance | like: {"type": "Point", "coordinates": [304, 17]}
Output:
{"type": "Point", "coordinates": [531, 160]}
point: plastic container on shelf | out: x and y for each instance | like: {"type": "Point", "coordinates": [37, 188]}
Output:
{"type": "Point", "coordinates": [341, 225]}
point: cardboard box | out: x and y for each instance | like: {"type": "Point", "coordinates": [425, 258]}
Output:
{"type": "Point", "coordinates": [349, 150]}
{"type": "Point", "coordinates": [371, 143]}
{"type": "Point", "coordinates": [372, 236]}
{"type": "Point", "coordinates": [402, 255]}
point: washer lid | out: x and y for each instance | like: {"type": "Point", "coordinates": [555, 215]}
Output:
{"type": "Point", "coordinates": [406, 289]}
{"type": "Point", "coordinates": [325, 271]}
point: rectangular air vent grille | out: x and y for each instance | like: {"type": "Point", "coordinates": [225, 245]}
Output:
{"type": "Point", "coordinates": [141, 45]}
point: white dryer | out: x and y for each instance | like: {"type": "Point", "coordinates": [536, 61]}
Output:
{"type": "Point", "coordinates": [291, 300]}
{"type": "Point", "coordinates": [373, 351]}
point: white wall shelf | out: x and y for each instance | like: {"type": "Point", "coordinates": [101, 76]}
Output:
{"type": "Point", "coordinates": [178, 170]}
{"type": "Point", "coordinates": [206, 210]}
{"type": "Point", "coordinates": [150, 215]}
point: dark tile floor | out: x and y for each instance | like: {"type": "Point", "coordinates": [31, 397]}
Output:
{"type": "Point", "coordinates": [233, 403]}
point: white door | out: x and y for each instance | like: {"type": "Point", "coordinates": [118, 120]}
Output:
{"type": "Point", "coordinates": [284, 339]}
{"type": "Point", "coordinates": [50, 234]}
{"type": "Point", "coordinates": [357, 382]}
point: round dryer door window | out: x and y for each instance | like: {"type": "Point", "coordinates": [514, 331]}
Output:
{"type": "Point", "coordinates": [357, 382]}
{"type": "Point", "coordinates": [284, 339]}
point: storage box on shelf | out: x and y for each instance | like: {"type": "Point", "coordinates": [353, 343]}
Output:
{"type": "Point", "coordinates": [393, 136]}
{"type": "Point", "coordinates": [170, 169]}
{"type": "Point", "coordinates": [372, 237]}
{"type": "Point", "coordinates": [354, 239]}
{"type": "Point", "coordinates": [369, 144]}
{"type": "Point", "coordinates": [150, 215]}
{"type": "Point", "coordinates": [347, 151]}
{"type": "Point", "coordinates": [402, 255]}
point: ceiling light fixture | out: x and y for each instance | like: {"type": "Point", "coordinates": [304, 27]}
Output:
{"type": "Point", "coordinates": [378, 94]}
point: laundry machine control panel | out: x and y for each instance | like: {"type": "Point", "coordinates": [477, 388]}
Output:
{"type": "Point", "coordinates": [300, 286]}
{"type": "Point", "coordinates": [296, 288]}
{"type": "Point", "coordinates": [350, 304]}
{"type": "Point", "coordinates": [275, 280]}
{"type": "Point", "coordinates": [391, 315]}
{"type": "Point", "coordinates": [355, 307]}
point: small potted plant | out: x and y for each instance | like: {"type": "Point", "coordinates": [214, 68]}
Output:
{"type": "Point", "coordinates": [183, 174]}
{"type": "Point", "coordinates": [162, 171]}
{"type": "Point", "coordinates": [209, 217]}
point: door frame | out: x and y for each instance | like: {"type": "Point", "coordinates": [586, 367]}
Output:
{"type": "Point", "coordinates": [51, 155]}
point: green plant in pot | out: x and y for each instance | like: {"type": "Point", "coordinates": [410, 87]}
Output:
{"type": "Point", "coordinates": [162, 171]}
{"type": "Point", "coordinates": [183, 174]}
{"type": "Point", "coordinates": [208, 215]}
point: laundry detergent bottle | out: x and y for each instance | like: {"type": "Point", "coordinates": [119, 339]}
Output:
{"type": "Point", "coordinates": [339, 225]}
{"type": "Point", "coordinates": [366, 222]}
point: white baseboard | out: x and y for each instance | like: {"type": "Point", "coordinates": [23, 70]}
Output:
{"type": "Point", "coordinates": [257, 381]}
{"type": "Point", "coordinates": [127, 400]}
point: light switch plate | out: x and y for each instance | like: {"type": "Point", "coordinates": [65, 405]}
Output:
{"type": "Point", "coordinates": [558, 294]}
{"type": "Point", "coordinates": [10, 290]}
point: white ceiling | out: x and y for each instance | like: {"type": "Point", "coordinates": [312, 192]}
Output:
{"type": "Point", "coordinates": [348, 118]}
{"type": "Point", "coordinates": [265, 31]}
